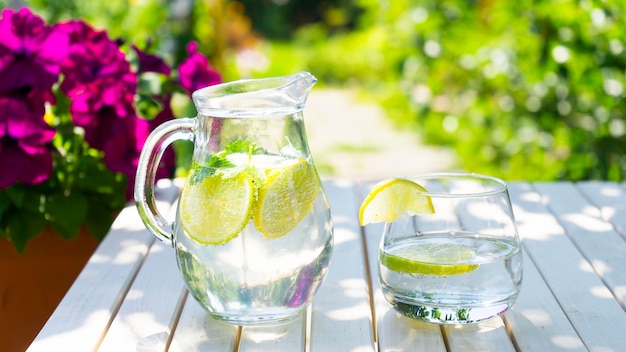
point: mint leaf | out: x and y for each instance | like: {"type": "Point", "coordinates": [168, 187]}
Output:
{"type": "Point", "coordinates": [220, 160]}
{"type": "Point", "coordinates": [213, 162]}
{"type": "Point", "coordinates": [200, 174]}
{"type": "Point", "coordinates": [242, 146]}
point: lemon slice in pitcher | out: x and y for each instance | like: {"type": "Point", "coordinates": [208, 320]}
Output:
{"type": "Point", "coordinates": [285, 198]}
{"type": "Point", "coordinates": [390, 199]}
{"type": "Point", "coordinates": [216, 209]}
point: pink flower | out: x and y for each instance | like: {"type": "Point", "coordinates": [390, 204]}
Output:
{"type": "Point", "coordinates": [196, 72]}
{"type": "Point", "coordinates": [97, 103]}
{"type": "Point", "coordinates": [127, 137]}
{"type": "Point", "coordinates": [30, 51]}
{"type": "Point", "coordinates": [99, 81]}
{"type": "Point", "coordinates": [78, 31]}
{"type": "Point", "coordinates": [24, 135]}
{"type": "Point", "coordinates": [151, 63]}
{"type": "Point", "coordinates": [98, 57]}
{"type": "Point", "coordinates": [101, 89]}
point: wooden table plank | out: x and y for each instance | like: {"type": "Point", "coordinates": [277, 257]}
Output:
{"type": "Point", "coordinates": [83, 316]}
{"type": "Point", "coordinates": [490, 335]}
{"type": "Point", "coordinates": [151, 305]}
{"type": "Point", "coordinates": [536, 320]}
{"type": "Point", "coordinates": [571, 278]}
{"type": "Point", "coordinates": [610, 198]}
{"type": "Point", "coordinates": [395, 332]}
{"type": "Point", "coordinates": [341, 317]}
{"type": "Point", "coordinates": [196, 331]}
{"type": "Point", "coordinates": [596, 238]}
{"type": "Point", "coordinates": [287, 336]}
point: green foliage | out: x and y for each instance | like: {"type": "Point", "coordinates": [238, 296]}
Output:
{"type": "Point", "coordinates": [80, 190]}
{"type": "Point", "coordinates": [520, 89]}
{"type": "Point", "coordinates": [278, 20]}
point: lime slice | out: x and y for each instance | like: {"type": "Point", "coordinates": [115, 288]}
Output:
{"type": "Point", "coordinates": [285, 198]}
{"type": "Point", "coordinates": [390, 199]}
{"type": "Point", "coordinates": [440, 259]}
{"type": "Point", "coordinates": [217, 208]}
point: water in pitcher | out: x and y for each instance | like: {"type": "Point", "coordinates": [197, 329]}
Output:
{"type": "Point", "coordinates": [272, 266]}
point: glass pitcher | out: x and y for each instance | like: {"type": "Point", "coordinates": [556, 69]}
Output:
{"type": "Point", "coordinates": [253, 233]}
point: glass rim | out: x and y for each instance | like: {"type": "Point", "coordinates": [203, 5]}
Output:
{"type": "Point", "coordinates": [496, 185]}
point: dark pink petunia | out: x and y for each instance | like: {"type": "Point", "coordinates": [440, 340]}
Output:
{"type": "Point", "coordinates": [196, 72]}
{"type": "Point", "coordinates": [97, 57]}
{"type": "Point", "coordinates": [122, 149]}
{"type": "Point", "coordinates": [98, 106]}
{"type": "Point", "coordinates": [30, 51]}
{"type": "Point", "coordinates": [78, 31]}
{"type": "Point", "coordinates": [99, 81]}
{"type": "Point", "coordinates": [23, 137]}
{"type": "Point", "coordinates": [151, 63]}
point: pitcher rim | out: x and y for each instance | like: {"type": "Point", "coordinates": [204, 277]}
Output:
{"type": "Point", "coordinates": [208, 91]}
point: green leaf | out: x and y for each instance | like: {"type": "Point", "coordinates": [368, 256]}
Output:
{"type": "Point", "coordinates": [147, 107]}
{"type": "Point", "coordinates": [99, 220]}
{"type": "Point", "coordinates": [242, 146]}
{"type": "Point", "coordinates": [22, 226]}
{"type": "Point", "coordinates": [151, 83]}
{"type": "Point", "coordinates": [97, 178]}
{"type": "Point", "coordinates": [32, 200]}
{"type": "Point", "coordinates": [220, 160]}
{"type": "Point", "coordinates": [17, 194]}
{"type": "Point", "coordinates": [199, 173]}
{"type": "Point", "coordinates": [66, 213]}
{"type": "Point", "coordinates": [5, 202]}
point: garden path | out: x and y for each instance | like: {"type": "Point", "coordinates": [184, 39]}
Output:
{"type": "Point", "coordinates": [352, 138]}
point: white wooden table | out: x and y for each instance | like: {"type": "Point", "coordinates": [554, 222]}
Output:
{"type": "Point", "coordinates": [129, 297]}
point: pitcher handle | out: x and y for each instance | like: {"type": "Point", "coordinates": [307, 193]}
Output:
{"type": "Point", "coordinates": [156, 143]}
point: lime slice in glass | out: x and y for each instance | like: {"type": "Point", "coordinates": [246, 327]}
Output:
{"type": "Point", "coordinates": [439, 259]}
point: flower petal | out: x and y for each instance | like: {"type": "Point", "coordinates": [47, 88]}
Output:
{"type": "Point", "coordinates": [196, 72]}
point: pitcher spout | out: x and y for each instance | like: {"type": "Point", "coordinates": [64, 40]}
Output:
{"type": "Point", "coordinates": [255, 97]}
{"type": "Point", "coordinates": [300, 85]}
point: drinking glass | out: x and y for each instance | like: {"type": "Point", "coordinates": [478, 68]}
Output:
{"type": "Point", "coordinates": [460, 265]}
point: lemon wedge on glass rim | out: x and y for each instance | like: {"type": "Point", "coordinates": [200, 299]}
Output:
{"type": "Point", "coordinates": [392, 198]}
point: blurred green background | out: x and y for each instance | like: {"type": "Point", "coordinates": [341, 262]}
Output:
{"type": "Point", "coordinates": [519, 89]}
